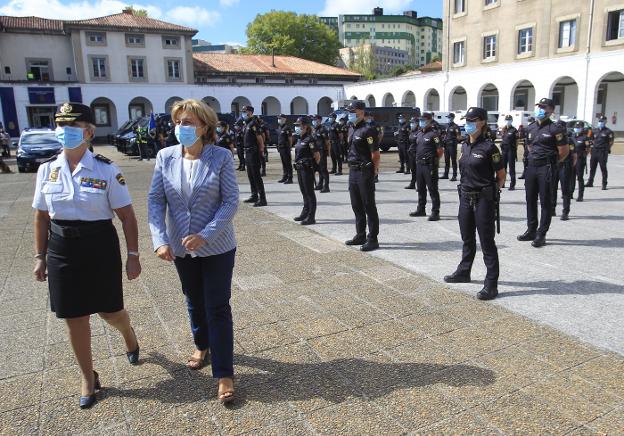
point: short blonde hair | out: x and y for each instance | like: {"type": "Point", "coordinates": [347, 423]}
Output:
{"type": "Point", "coordinates": [202, 111]}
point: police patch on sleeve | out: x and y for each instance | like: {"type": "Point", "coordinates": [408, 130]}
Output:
{"type": "Point", "coordinates": [120, 178]}
{"type": "Point", "coordinates": [436, 140]}
{"type": "Point", "coordinates": [559, 136]}
{"type": "Point", "coordinates": [370, 140]}
{"type": "Point", "coordinates": [496, 157]}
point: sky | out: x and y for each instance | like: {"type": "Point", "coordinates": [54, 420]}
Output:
{"type": "Point", "coordinates": [218, 21]}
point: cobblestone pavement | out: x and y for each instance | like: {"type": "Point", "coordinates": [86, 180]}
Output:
{"type": "Point", "coordinates": [328, 341]}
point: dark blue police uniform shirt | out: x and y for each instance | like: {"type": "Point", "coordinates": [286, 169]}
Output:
{"type": "Point", "coordinates": [544, 139]}
{"type": "Point", "coordinates": [363, 141]}
{"type": "Point", "coordinates": [305, 148]}
{"type": "Point", "coordinates": [478, 163]}
{"type": "Point", "coordinates": [427, 143]}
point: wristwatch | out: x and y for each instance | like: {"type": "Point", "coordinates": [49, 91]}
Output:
{"type": "Point", "coordinates": [133, 253]}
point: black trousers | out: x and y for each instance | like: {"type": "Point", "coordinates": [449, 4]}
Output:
{"type": "Point", "coordinates": [564, 176]}
{"type": "Point", "coordinates": [207, 286]}
{"type": "Point", "coordinates": [411, 160]}
{"type": "Point", "coordinates": [478, 217]}
{"type": "Point", "coordinates": [427, 179]}
{"type": "Point", "coordinates": [253, 162]}
{"type": "Point", "coordinates": [241, 156]}
{"type": "Point", "coordinates": [450, 158]}
{"type": "Point", "coordinates": [336, 156]}
{"type": "Point", "coordinates": [263, 160]}
{"type": "Point", "coordinates": [403, 156]}
{"type": "Point", "coordinates": [323, 171]}
{"type": "Point", "coordinates": [581, 165]}
{"type": "Point", "coordinates": [305, 177]}
{"type": "Point", "coordinates": [599, 156]}
{"type": "Point", "coordinates": [362, 194]}
{"type": "Point", "coordinates": [285, 156]}
{"type": "Point", "coordinates": [509, 155]}
{"type": "Point", "coordinates": [538, 183]}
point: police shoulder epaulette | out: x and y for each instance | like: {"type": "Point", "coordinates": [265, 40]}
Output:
{"type": "Point", "coordinates": [103, 159]}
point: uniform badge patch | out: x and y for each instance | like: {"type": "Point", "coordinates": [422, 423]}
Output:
{"type": "Point", "coordinates": [559, 136]}
{"type": "Point", "coordinates": [496, 158]}
{"type": "Point", "coordinates": [436, 140]}
{"type": "Point", "coordinates": [120, 178]}
{"type": "Point", "coordinates": [370, 140]}
{"type": "Point", "coordinates": [54, 175]}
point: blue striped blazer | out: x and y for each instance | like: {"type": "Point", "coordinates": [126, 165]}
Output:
{"type": "Point", "coordinates": [210, 212]}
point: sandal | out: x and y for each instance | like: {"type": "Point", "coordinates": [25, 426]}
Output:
{"type": "Point", "coordinates": [226, 396]}
{"type": "Point", "coordinates": [196, 363]}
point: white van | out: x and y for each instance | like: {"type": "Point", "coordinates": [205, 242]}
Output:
{"type": "Point", "coordinates": [520, 118]}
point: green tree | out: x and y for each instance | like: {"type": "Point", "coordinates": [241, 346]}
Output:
{"type": "Point", "coordinates": [290, 34]}
{"type": "Point", "coordinates": [137, 12]}
{"type": "Point", "coordinates": [364, 61]}
{"type": "Point", "coordinates": [436, 58]}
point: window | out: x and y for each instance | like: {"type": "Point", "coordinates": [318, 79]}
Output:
{"type": "Point", "coordinates": [490, 2]}
{"type": "Point", "coordinates": [38, 69]}
{"type": "Point", "coordinates": [489, 47]}
{"type": "Point", "coordinates": [101, 115]}
{"type": "Point", "coordinates": [96, 38]}
{"type": "Point", "coordinates": [171, 42]}
{"type": "Point", "coordinates": [567, 33]}
{"type": "Point", "coordinates": [99, 69]}
{"type": "Point", "coordinates": [460, 6]}
{"type": "Point", "coordinates": [137, 69]}
{"type": "Point", "coordinates": [173, 69]}
{"type": "Point", "coordinates": [259, 80]}
{"type": "Point", "coordinates": [525, 40]}
{"type": "Point", "coordinates": [615, 25]}
{"type": "Point", "coordinates": [68, 70]}
{"type": "Point", "coordinates": [7, 70]}
{"type": "Point", "coordinates": [459, 52]}
{"type": "Point", "coordinates": [135, 40]}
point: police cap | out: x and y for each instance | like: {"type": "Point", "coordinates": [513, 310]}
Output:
{"type": "Point", "coordinates": [222, 124]}
{"type": "Point", "coordinates": [317, 117]}
{"type": "Point", "coordinates": [302, 121]}
{"type": "Point", "coordinates": [475, 113]}
{"type": "Point", "coordinates": [356, 105]}
{"type": "Point", "coordinates": [281, 116]}
{"type": "Point", "coordinates": [602, 118]}
{"type": "Point", "coordinates": [427, 115]}
{"type": "Point", "coordinates": [451, 115]}
{"type": "Point", "coordinates": [332, 115]}
{"type": "Point", "coordinates": [508, 118]}
{"type": "Point", "coordinates": [545, 102]}
{"type": "Point", "coordinates": [247, 108]}
{"type": "Point", "coordinates": [71, 112]}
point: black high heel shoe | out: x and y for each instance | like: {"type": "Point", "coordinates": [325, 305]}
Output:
{"type": "Point", "coordinates": [133, 356]}
{"type": "Point", "coordinates": [88, 401]}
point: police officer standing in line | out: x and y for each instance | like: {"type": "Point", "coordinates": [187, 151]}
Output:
{"type": "Point", "coordinates": [224, 137]}
{"type": "Point", "coordinates": [306, 154]}
{"type": "Point", "coordinates": [509, 148]}
{"type": "Point", "coordinates": [600, 150]}
{"type": "Point", "coordinates": [344, 130]}
{"type": "Point", "coordinates": [284, 145]}
{"type": "Point", "coordinates": [482, 176]}
{"type": "Point", "coordinates": [238, 140]}
{"type": "Point", "coordinates": [428, 151]}
{"type": "Point", "coordinates": [582, 145]}
{"type": "Point", "coordinates": [363, 161]}
{"type": "Point", "coordinates": [322, 144]}
{"type": "Point", "coordinates": [402, 139]}
{"type": "Point", "coordinates": [548, 145]}
{"type": "Point", "coordinates": [335, 140]}
{"type": "Point", "coordinates": [266, 135]}
{"type": "Point", "coordinates": [564, 176]}
{"type": "Point", "coordinates": [523, 133]}
{"type": "Point", "coordinates": [253, 142]}
{"type": "Point", "coordinates": [370, 120]}
{"type": "Point", "coordinates": [411, 150]}
{"type": "Point", "coordinates": [451, 137]}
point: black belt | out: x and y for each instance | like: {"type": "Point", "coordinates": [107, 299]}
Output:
{"type": "Point", "coordinates": [360, 165]}
{"type": "Point", "coordinates": [540, 162]}
{"type": "Point", "coordinates": [78, 229]}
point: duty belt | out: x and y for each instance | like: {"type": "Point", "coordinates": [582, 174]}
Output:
{"type": "Point", "coordinates": [540, 162]}
{"type": "Point", "coordinates": [75, 231]}
{"type": "Point", "coordinates": [303, 164]}
{"type": "Point", "coordinates": [360, 165]}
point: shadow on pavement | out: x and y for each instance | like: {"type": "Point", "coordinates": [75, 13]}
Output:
{"type": "Point", "coordinates": [603, 243]}
{"type": "Point", "coordinates": [334, 381]}
{"type": "Point", "coordinates": [553, 287]}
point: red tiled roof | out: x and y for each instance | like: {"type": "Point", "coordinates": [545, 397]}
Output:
{"type": "Point", "coordinates": [35, 24]}
{"type": "Point", "coordinates": [129, 21]}
{"type": "Point", "coordinates": [218, 63]}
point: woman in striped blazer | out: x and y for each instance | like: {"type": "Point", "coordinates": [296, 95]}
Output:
{"type": "Point", "coordinates": [192, 202]}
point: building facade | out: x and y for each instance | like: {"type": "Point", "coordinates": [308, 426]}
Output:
{"type": "Point", "coordinates": [506, 54]}
{"type": "Point", "coordinates": [125, 66]}
{"type": "Point", "coordinates": [385, 58]}
{"type": "Point", "coordinates": [420, 37]}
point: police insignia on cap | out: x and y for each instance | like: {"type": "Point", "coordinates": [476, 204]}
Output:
{"type": "Point", "coordinates": [66, 108]}
{"type": "Point", "coordinates": [120, 178]}
{"type": "Point", "coordinates": [370, 140]}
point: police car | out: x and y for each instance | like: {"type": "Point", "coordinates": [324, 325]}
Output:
{"type": "Point", "coordinates": [34, 147]}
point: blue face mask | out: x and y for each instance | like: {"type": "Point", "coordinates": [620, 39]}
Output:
{"type": "Point", "coordinates": [422, 124]}
{"type": "Point", "coordinates": [539, 113]}
{"type": "Point", "coordinates": [413, 126]}
{"type": "Point", "coordinates": [186, 135]}
{"type": "Point", "coordinates": [314, 123]}
{"type": "Point", "coordinates": [601, 124]}
{"type": "Point", "coordinates": [298, 130]}
{"type": "Point", "coordinates": [281, 121]}
{"type": "Point", "coordinates": [577, 130]}
{"type": "Point", "coordinates": [401, 120]}
{"type": "Point", "coordinates": [352, 117]}
{"type": "Point", "coordinates": [471, 127]}
{"type": "Point", "coordinates": [219, 129]}
{"type": "Point", "coordinates": [369, 121]}
{"type": "Point", "coordinates": [509, 123]}
{"type": "Point", "coordinates": [69, 137]}
{"type": "Point", "coordinates": [244, 115]}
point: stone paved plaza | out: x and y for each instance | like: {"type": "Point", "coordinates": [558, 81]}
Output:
{"type": "Point", "coordinates": [330, 340]}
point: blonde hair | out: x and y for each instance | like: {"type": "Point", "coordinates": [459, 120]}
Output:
{"type": "Point", "coordinates": [202, 111]}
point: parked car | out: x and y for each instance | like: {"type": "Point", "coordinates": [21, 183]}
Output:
{"type": "Point", "coordinates": [34, 147]}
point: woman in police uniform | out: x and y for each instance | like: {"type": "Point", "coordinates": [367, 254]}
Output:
{"type": "Point", "coordinates": [482, 176]}
{"type": "Point", "coordinates": [306, 154]}
{"type": "Point", "coordinates": [76, 245]}
{"type": "Point", "coordinates": [224, 137]}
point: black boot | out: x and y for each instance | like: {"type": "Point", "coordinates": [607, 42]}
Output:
{"type": "Point", "coordinates": [529, 235]}
{"type": "Point", "coordinates": [410, 186]}
{"type": "Point", "coordinates": [539, 241]}
{"type": "Point", "coordinates": [418, 212]}
{"type": "Point", "coordinates": [589, 184]}
{"type": "Point", "coordinates": [454, 178]}
{"type": "Point", "coordinates": [604, 187]}
{"type": "Point", "coordinates": [487, 293]}
{"type": "Point", "coordinates": [325, 189]}
{"type": "Point", "coordinates": [251, 199]}
{"type": "Point", "coordinates": [357, 240]}
{"type": "Point", "coordinates": [400, 170]}
{"type": "Point", "coordinates": [282, 180]}
{"type": "Point", "coordinates": [564, 216]}
{"type": "Point", "coordinates": [370, 245]}
{"type": "Point", "coordinates": [580, 197]}
{"type": "Point", "coordinates": [260, 203]}
{"type": "Point", "coordinates": [288, 181]}
{"type": "Point", "coordinates": [435, 216]}
{"type": "Point", "coordinates": [308, 221]}
{"type": "Point", "coordinates": [303, 215]}
{"type": "Point", "coordinates": [445, 176]}
{"type": "Point", "coordinates": [457, 277]}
